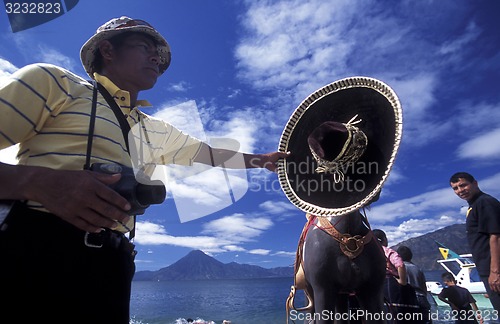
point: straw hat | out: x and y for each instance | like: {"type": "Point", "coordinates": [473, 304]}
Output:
{"type": "Point", "coordinates": [343, 140]}
{"type": "Point", "coordinates": [117, 26]}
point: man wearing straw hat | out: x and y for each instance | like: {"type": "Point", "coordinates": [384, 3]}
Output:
{"type": "Point", "coordinates": [64, 254]}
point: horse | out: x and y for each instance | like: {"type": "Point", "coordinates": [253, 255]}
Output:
{"type": "Point", "coordinates": [341, 260]}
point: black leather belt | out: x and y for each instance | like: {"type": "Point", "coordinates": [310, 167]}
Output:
{"type": "Point", "coordinates": [23, 221]}
{"type": "Point", "coordinates": [108, 239]}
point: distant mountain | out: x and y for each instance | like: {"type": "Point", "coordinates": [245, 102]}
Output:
{"type": "Point", "coordinates": [196, 265]}
{"type": "Point", "coordinates": [425, 250]}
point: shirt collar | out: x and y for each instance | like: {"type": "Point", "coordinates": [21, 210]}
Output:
{"type": "Point", "coordinates": [470, 202]}
{"type": "Point", "coordinates": [122, 97]}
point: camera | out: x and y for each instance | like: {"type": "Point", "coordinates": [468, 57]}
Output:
{"type": "Point", "coordinates": [140, 194]}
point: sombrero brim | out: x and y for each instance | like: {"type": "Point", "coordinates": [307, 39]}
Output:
{"type": "Point", "coordinates": [379, 110]}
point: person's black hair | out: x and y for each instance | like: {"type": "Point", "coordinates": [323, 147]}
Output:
{"type": "Point", "coordinates": [117, 41]}
{"type": "Point", "coordinates": [380, 235]}
{"type": "Point", "coordinates": [448, 277]}
{"type": "Point", "coordinates": [462, 175]}
{"type": "Point", "coordinates": [405, 253]}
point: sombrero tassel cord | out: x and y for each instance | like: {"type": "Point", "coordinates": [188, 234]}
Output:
{"type": "Point", "coordinates": [338, 175]}
{"type": "Point", "coordinates": [352, 150]}
{"type": "Point", "coordinates": [352, 122]}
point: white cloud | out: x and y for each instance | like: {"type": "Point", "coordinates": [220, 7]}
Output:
{"type": "Point", "coordinates": [235, 132]}
{"type": "Point", "coordinates": [455, 45]}
{"type": "Point", "coordinates": [226, 234]}
{"type": "Point", "coordinates": [241, 127]}
{"type": "Point", "coordinates": [482, 147]}
{"type": "Point", "coordinates": [233, 248]}
{"type": "Point", "coordinates": [299, 46]}
{"type": "Point", "coordinates": [6, 69]}
{"type": "Point", "coordinates": [476, 116]}
{"type": "Point", "coordinates": [153, 234]}
{"type": "Point", "coordinates": [395, 176]}
{"type": "Point", "coordinates": [237, 227]}
{"type": "Point", "coordinates": [234, 93]}
{"type": "Point", "coordinates": [259, 251]}
{"type": "Point", "coordinates": [416, 227]}
{"type": "Point", "coordinates": [34, 51]}
{"type": "Point", "coordinates": [417, 94]}
{"type": "Point", "coordinates": [290, 41]}
{"type": "Point", "coordinates": [285, 253]}
{"type": "Point", "coordinates": [277, 207]}
{"type": "Point", "coordinates": [415, 207]}
{"type": "Point", "coordinates": [180, 86]}
{"type": "Point", "coordinates": [53, 56]}
{"type": "Point", "coordinates": [185, 116]}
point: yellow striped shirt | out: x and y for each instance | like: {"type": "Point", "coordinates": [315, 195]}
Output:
{"type": "Point", "coordinates": [46, 109]}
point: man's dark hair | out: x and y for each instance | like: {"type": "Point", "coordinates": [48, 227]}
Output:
{"type": "Point", "coordinates": [380, 235]}
{"type": "Point", "coordinates": [117, 41]}
{"type": "Point", "coordinates": [464, 175]}
{"type": "Point", "coordinates": [448, 277]}
{"type": "Point", "coordinates": [405, 253]}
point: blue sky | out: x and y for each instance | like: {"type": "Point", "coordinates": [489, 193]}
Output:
{"type": "Point", "coordinates": [240, 68]}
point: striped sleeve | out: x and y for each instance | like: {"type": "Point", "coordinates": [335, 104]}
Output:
{"type": "Point", "coordinates": [29, 99]}
{"type": "Point", "coordinates": [158, 142]}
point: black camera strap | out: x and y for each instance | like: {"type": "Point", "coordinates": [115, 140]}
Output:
{"type": "Point", "coordinates": [124, 125]}
{"type": "Point", "coordinates": [90, 137]}
{"type": "Point", "coordinates": [122, 120]}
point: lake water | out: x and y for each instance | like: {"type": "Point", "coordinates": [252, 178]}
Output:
{"type": "Point", "coordinates": [250, 301]}
{"type": "Point", "coordinates": [241, 301]}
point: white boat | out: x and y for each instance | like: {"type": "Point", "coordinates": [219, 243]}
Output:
{"type": "Point", "coordinates": [463, 268]}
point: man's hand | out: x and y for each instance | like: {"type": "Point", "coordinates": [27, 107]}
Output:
{"type": "Point", "coordinates": [267, 160]}
{"type": "Point", "coordinates": [82, 198]}
{"type": "Point", "coordinates": [494, 281]}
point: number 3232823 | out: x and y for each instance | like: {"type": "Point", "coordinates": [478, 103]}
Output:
{"type": "Point", "coordinates": [33, 8]}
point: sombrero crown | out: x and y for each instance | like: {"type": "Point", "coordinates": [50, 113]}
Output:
{"type": "Point", "coordinates": [343, 140]}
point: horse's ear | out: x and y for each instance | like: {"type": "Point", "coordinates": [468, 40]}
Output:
{"type": "Point", "coordinates": [369, 205]}
{"type": "Point", "coordinates": [374, 199]}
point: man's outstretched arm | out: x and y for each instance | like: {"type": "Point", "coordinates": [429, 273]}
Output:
{"type": "Point", "coordinates": [223, 157]}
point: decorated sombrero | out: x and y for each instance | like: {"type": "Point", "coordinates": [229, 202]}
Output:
{"type": "Point", "coordinates": [343, 140]}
